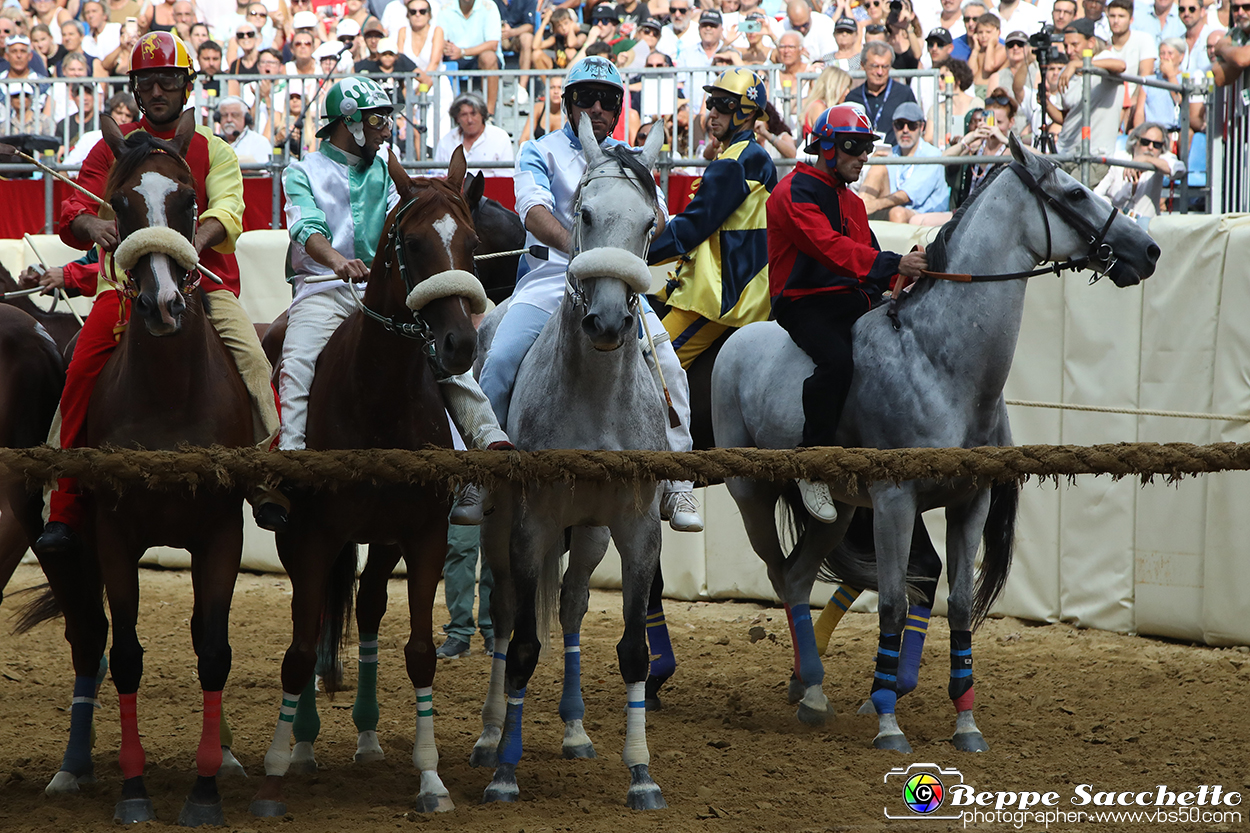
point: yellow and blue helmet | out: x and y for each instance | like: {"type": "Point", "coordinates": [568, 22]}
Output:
{"type": "Point", "coordinates": [748, 90]}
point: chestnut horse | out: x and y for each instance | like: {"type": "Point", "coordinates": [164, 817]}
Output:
{"type": "Point", "coordinates": [170, 382]}
{"type": "Point", "coordinates": [376, 386]}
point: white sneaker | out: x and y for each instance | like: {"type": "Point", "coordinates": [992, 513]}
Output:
{"type": "Point", "coordinates": [817, 501]}
{"type": "Point", "coordinates": [522, 95]}
{"type": "Point", "coordinates": [681, 510]}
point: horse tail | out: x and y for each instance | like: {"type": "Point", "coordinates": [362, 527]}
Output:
{"type": "Point", "coordinates": [336, 615]}
{"type": "Point", "coordinates": [794, 518]}
{"type": "Point", "coordinates": [1000, 534]}
{"type": "Point", "coordinates": [547, 597]}
{"type": "Point", "coordinates": [854, 560]}
{"type": "Point", "coordinates": [42, 608]}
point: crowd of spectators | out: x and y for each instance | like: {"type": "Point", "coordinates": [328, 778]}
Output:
{"type": "Point", "coordinates": [984, 51]}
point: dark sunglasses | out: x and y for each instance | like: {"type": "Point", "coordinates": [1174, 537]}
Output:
{"type": "Point", "coordinates": [722, 104]}
{"type": "Point", "coordinates": [169, 81]}
{"type": "Point", "coordinates": [1000, 100]}
{"type": "Point", "coordinates": [242, 35]}
{"type": "Point", "coordinates": [1150, 143]}
{"type": "Point", "coordinates": [970, 19]}
{"type": "Point", "coordinates": [585, 99]}
{"type": "Point", "coordinates": [415, 12]}
{"type": "Point", "coordinates": [296, 43]}
{"type": "Point", "coordinates": [899, 124]}
{"type": "Point", "coordinates": [1188, 8]}
{"type": "Point", "coordinates": [1239, 7]}
{"type": "Point", "coordinates": [679, 9]}
{"type": "Point", "coordinates": [874, 29]}
{"type": "Point", "coordinates": [856, 146]}
{"type": "Point", "coordinates": [258, 14]}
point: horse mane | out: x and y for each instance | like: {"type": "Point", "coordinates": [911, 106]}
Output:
{"type": "Point", "coordinates": [137, 147]}
{"type": "Point", "coordinates": [936, 250]}
{"type": "Point", "coordinates": [631, 162]}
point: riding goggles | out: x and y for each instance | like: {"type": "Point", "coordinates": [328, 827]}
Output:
{"type": "Point", "coordinates": [585, 99]}
{"type": "Point", "coordinates": [855, 145]}
{"type": "Point", "coordinates": [378, 120]}
{"type": "Point", "coordinates": [170, 81]}
{"type": "Point", "coordinates": [722, 104]}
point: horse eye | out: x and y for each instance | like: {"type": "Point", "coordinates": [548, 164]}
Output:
{"type": "Point", "coordinates": [1076, 194]}
{"type": "Point", "coordinates": [586, 216]}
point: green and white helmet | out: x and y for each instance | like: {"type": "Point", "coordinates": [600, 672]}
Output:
{"type": "Point", "coordinates": [349, 100]}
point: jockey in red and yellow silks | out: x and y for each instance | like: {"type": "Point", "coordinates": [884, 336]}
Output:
{"type": "Point", "coordinates": [720, 242]}
{"type": "Point", "coordinates": [160, 78]}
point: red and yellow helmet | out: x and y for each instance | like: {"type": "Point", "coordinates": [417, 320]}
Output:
{"type": "Point", "coordinates": [160, 50]}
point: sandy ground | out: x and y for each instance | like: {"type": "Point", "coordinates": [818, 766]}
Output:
{"type": "Point", "coordinates": [1060, 707]}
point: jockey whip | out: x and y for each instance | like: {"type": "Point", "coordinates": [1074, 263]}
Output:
{"type": "Point", "coordinates": [9, 150]}
{"type": "Point", "coordinates": [60, 290]}
{"type": "Point", "coordinates": [673, 419]}
{"type": "Point", "coordinates": [537, 252]}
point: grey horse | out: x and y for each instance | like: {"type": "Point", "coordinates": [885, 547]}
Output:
{"type": "Point", "coordinates": [583, 385]}
{"type": "Point", "coordinates": [932, 375]}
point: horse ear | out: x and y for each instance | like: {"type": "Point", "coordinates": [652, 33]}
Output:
{"type": "Point", "coordinates": [651, 148]}
{"type": "Point", "coordinates": [590, 145]}
{"type": "Point", "coordinates": [112, 134]}
{"type": "Point", "coordinates": [403, 182]}
{"type": "Point", "coordinates": [1017, 150]}
{"type": "Point", "coordinates": [474, 188]}
{"type": "Point", "coordinates": [455, 171]}
{"type": "Point", "coordinates": [185, 132]}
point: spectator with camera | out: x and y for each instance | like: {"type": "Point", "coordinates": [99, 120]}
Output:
{"type": "Point", "coordinates": [471, 34]}
{"type": "Point", "coordinates": [1132, 190]}
{"type": "Point", "coordinates": [901, 192]}
{"type": "Point", "coordinates": [754, 29]}
{"type": "Point", "coordinates": [1065, 107]}
{"type": "Point", "coordinates": [879, 95]}
{"type": "Point", "coordinates": [987, 138]}
{"type": "Point", "coordinates": [903, 32]}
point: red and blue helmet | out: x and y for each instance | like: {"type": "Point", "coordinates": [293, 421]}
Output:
{"type": "Point", "coordinates": [844, 126]}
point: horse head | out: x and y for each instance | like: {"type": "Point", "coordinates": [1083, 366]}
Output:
{"type": "Point", "coordinates": [615, 214]}
{"type": "Point", "coordinates": [1077, 223]}
{"type": "Point", "coordinates": [152, 192]}
{"type": "Point", "coordinates": [426, 253]}
{"type": "Point", "coordinates": [500, 230]}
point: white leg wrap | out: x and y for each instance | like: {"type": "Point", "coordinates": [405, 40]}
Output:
{"type": "Point", "coordinates": [495, 707]}
{"type": "Point", "coordinates": [424, 750]}
{"type": "Point", "coordinates": [636, 751]}
{"type": "Point", "coordinates": [278, 758]}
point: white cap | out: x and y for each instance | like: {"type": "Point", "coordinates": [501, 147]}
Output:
{"type": "Point", "coordinates": [14, 40]}
{"type": "Point", "coordinates": [388, 45]}
{"type": "Point", "coordinates": [21, 89]}
{"type": "Point", "coordinates": [328, 49]}
{"type": "Point", "coordinates": [304, 20]}
{"type": "Point", "coordinates": [346, 27]}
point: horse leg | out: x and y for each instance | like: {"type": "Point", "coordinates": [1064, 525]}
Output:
{"type": "Point", "coordinates": [230, 765]}
{"type": "Point", "coordinates": [965, 523]}
{"type": "Point", "coordinates": [663, 660]}
{"type": "Point", "coordinates": [495, 537]}
{"type": "Point", "coordinates": [925, 566]}
{"type": "Point", "coordinates": [894, 513]}
{"type": "Point", "coordinates": [305, 728]}
{"type": "Point", "coordinates": [13, 545]}
{"type": "Point", "coordinates": [533, 537]}
{"type": "Point", "coordinates": [370, 607]}
{"type": "Point", "coordinates": [308, 559]}
{"type": "Point", "coordinates": [214, 568]}
{"type": "Point", "coordinates": [585, 552]}
{"type": "Point", "coordinates": [839, 603]}
{"type": "Point", "coordinates": [425, 555]}
{"type": "Point", "coordinates": [638, 540]}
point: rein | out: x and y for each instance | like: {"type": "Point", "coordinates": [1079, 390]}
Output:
{"type": "Point", "coordinates": [418, 330]}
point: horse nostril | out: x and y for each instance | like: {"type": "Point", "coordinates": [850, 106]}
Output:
{"type": "Point", "coordinates": [1153, 252]}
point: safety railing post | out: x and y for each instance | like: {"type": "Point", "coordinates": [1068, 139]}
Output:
{"type": "Point", "coordinates": [1087, 56]}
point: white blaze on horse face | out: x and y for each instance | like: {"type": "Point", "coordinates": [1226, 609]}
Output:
{"type": "Point", "coordinates": [155, 189]}
{"type": "Point", "coordinates": [446, 228]}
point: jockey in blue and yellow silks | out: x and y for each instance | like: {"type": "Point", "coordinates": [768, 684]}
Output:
{"type": "Point", "coordinates": [720, 242]}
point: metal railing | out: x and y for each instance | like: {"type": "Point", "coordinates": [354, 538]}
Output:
{"type": "Point", "coordinates": [1228, 147]}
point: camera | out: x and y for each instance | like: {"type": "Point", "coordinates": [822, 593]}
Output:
{"type": "Point", "coordinates": [749, 27]}
{"type": "Point", "coordinates": [896, 7]}
{"type": "Point", "coordinates": [1047, 45]}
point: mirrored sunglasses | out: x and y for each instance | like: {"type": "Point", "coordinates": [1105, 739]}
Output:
{"type": "Point", "coordinates": [585, 99]}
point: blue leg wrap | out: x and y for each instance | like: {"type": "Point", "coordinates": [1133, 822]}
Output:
{"type": "Point", "coordinates": [885, 678]}
{"type": "Point", "coordinates": [811, 671]}
{"type": "Point", "coordinates": [510, 744]}
{"type": "Point", "coordinates": [914, 634]}
{"type": "Point", "coordinates": [961, 664]}
{"type": "Point", "coordinates": [81, 715]}
{"type": "Point", "coordinates": [307, 724]}
{"type": "Point", "coordinates": [663, 662]}
{"type": "Point", "coordinates": [571, 705]}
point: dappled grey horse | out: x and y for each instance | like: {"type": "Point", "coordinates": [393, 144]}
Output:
{"type": "Point", "coordinates": [583, 385]}
{"type": "Point", "coordinates": [931, 376]}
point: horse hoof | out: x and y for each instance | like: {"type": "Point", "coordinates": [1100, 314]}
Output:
{"type": "Point", "coordinates": [63, 783]}
{"type": "Point", "coordinates": [198, 815]}
{"type": "Point", "coordinates": [970, 742]}
{"type": "Point", "coordinates": [368, 750]}
{"type": "Point", "coordinates": [303, 762]}
{"type": "Point", "coordinates": [266, 809]}
{"type": "Point", "coordinates": [582, 751]}
{"type": "Point", "coordinates": [651, 693]}
{"type": "Point", "coordinates": [430, 803]}
{"type": "Point", "coordinates": [486, 750]}
{"type": "Point", "coordinates": [644, 793]}
{"type": "Point", "coordinates": [895, 743]}
{"type": "Point", "coordinates": [369, 756]}
{"type": "Point", "coordinates": [795, 691]}
{"type": "Point", "coordinates": [133, 811]}
{"type": "Point", "coordinates": [230, 766]}
{"type": "Point", "coordinates": [503, 786]}
{"type": "Point", "coordinates": [813, 717]}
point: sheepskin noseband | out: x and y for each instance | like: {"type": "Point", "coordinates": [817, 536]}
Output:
{"type": "Point", "coordinates": [611, 262]}
{"type": "Point", "coordinates": [155, 240]}
{"type": "Point", "coordinates": [451, 282]}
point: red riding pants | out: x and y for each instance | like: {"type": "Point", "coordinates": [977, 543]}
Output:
{"type": "Point", "coordinates": [96, 342]}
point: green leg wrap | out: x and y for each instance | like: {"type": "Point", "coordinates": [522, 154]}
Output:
{"type": "Point", "coordinates": [307, 722]}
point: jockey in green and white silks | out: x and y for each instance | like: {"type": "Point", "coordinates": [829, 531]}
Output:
{"type": "Point", "coordinates": [548, 172]}
{"type": "Point", "coordinates": [337, 199]}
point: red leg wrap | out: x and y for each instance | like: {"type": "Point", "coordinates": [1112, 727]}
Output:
{"type": "Point", "coordinates": [131, 756]}
{"type": "Point", "coordinates": [964, 701]}
{"type": "Point", "coordinates": [208, 756]}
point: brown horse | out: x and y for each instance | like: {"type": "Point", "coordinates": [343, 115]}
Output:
{"type": "Point", "coordinates": [376, 387]}
{"type": "Point", "coordinates": [169, 382]}
{"type": "Point", "coordinates": [62, 326]}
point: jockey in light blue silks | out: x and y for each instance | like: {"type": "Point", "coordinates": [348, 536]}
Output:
{"type": "Point", "coordinates": [337, 199]}
{"type": "Point", "coordinates": [548, 171]}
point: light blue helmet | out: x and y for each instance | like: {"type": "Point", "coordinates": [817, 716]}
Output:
{"type": "Point", "coordinates": [595, 70]}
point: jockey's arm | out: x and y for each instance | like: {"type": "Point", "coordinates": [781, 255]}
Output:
{"type": "Point", "coordinates": [543, 224]}
{"type": "Point", "coordinates": [210, 233]}
{"type": "Point", "coordinates": [321, 250]}
{"type": "Point", "coordinates": [722, 189]}
{"type": "Point", "coordinates": [224, 189]}
{"type": "Point", "coordinates": [81, 225]}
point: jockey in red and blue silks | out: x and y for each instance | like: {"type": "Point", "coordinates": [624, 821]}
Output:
{"type": "Point", "coordinates": [826, 270]}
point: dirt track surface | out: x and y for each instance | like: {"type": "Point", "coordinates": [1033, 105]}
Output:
{"type": "Point", "coordinates": [1059, 707]}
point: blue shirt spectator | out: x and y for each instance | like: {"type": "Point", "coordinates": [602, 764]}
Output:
{"type": "Point", "coordinates": [1146, 19]}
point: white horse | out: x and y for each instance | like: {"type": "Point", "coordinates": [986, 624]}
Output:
{"type": "Point", "coordinates": [583, 385]}
{"type": "Point", "coordinates": [931, 377]}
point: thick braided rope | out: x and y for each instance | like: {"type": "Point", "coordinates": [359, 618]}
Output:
{"type": "Point", "coordinates": [247, 467]}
